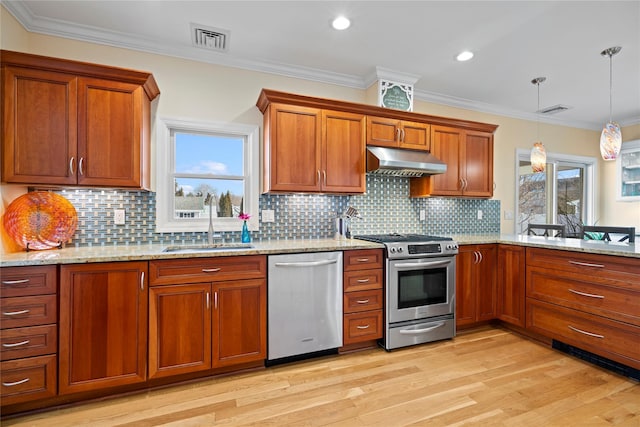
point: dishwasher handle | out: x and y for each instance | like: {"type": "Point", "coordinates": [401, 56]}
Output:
{"type": "Point", "coordinates": [306, 263]}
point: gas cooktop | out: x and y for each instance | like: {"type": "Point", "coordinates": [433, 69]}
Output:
{"type": "Point", "coordinates": [403, 246]}
{"type": "Point", "coordinates": [397, 237]}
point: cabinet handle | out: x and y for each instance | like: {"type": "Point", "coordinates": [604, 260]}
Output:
{"type": "Point", "coordinates": [363, 301]}
{"type": "Point", "coordinates": [324, 177]}
{"type": "Point", "coordinates": [461, 184]}
{"type": "Point", "coordinates": [210, 270]}
{"type": "Point", "coordinates": [15, 282]}
{"type": "Point", "coordinates": [591, 334]}
{"type": "Point", "coordinates": [215, 300]}
{"type": "Point", "coordinates": [481, 257]}
{"type": "Point", "coordinates": [318, 176]}
{"type": "Point", "coordinates": [15, 313]}
{"type": "Point", "coordinates": [142, 281]}
{"type": "Point", "coordinates": [72, 160]}
{"type": "Point", "coordinates": [398, 134]}
{"type": "Point", "coordinates": [586, 264]}
{"type": "Point", "coordinates": [80, 163]}
{"type": "Point", "coordinates": [584, 294]}
{"type": "Point", "coordinates": [475, 257]}
{"type": "Point", "coordinates": [16, 383]}
{"type": "Point", "coordinates": [208, 301]}
{"type": "Point", "coordinates": [363, 260]}
{"type": "Point", "coordinates": [362, 327]}
{"type": "Point", "coordinates": [363, 280]}
{"type": "Point", "coordinates": [17, 344]}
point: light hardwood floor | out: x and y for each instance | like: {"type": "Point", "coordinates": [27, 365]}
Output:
{"type": "Point", "coordinates": [486, 377]}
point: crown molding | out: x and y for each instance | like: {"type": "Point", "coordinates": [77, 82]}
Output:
{"type": "Point", "coordinates": [88, 34]}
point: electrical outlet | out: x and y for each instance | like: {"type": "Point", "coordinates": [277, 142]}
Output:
{"type": "Point", "coordinates": [479, 214]}
{"type": "Point", "coordinates": [423, 215]}
{"type": "Point", "coordinates": [508, 215]}
{"type": "Point", "coordinates": [268, 215]}
{"type": "Point", "coordinates": [118, 216]}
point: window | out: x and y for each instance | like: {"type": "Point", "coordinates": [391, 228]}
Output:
{"type": "Point", "coordinates": [206, 169]}
{"type": "Point", "coordinates": [563, 194]}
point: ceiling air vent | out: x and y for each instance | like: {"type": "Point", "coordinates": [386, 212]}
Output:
{"type": "Point", "coordinates": [210, 38]}
{"type": "Point", "coordinates": [553, 109]}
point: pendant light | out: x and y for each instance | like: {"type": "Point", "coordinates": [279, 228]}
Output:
{"type": "Point", "coordinates": [611, 138]}
{"type": "Point", "coordinates": [538, 153]}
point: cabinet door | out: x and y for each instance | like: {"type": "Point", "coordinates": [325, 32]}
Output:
{"type": "Point", "coordinates": [478, 164]}
{"type": "Point", "coordinates": [39, 127]}
{"type": "Point", "coordinates": [240, 322]}
{"type": "Point", "coordinates": [179, 329]}
{"type": "Point", "coordinates": [343, 155]}
{"type": "Point", "coordinates": [293, 149]}
{"type": "Point", "coordinates": [446, 145]}
{"type": "Point", "coordinates": [383, 132]}
{"type": "Point", "coordinates": [465, 287]}
{"type": "Point", "coordinates": [511, 284]}
{"type": "Point", "coordinates": [103, 325]}
{"type": "Point", "coordinates": [109, 133]}
{"type": "Point", "coordinates": [485, 279]}
{"type": "Point", "coordinates": [415, 136]}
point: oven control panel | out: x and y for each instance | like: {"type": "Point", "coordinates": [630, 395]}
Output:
{"type": "Point", "coordinates": [421, 250]}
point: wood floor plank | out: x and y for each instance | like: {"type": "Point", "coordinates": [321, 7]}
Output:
{"type": "Point", "coordinates": [485, 377]}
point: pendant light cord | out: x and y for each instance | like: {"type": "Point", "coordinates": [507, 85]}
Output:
{"type": "Point", "coordinates": [610, 87]}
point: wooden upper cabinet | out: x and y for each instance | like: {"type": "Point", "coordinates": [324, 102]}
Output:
{"type": "Point", "coordinates": [343, 155]}
{"type": "Point", "coordinates": [468, 155]}
{"type": "Point", "coordinates": [73, 123]}
{"type": "Point", "coordinates": [394, 133]}
{"type": "Point", "coordinates": [313, 150]}
{"type": "Point", "coordinates": [39, 131]}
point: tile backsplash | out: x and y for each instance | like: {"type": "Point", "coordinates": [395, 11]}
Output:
{"type": "Point", "coordinates": [386, 207]}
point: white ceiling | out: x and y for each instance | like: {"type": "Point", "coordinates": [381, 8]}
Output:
{"type": "Point", "coordinates": [513, 41]}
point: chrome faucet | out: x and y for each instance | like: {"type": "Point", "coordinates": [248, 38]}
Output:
{"type": "Point", "coordinates": [210, 231]}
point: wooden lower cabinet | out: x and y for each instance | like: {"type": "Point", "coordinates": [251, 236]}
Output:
{"type": "Point", "coordinates": [103, 325]}
{"type": "Point", "coordinates": [206, 325]}
{"type": "Point", "coordinates": [179, 329]}
{"type": "Point", "coordinates": [28, 379]}
{"type": "Point", "coordinates": [511, 284]}
{"type": "Point", "coordinates": [475, 284]}
{"type": "Point", "coordinates": [239, 322]}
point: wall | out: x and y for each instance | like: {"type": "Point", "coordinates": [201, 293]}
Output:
{"type": "Point", "coordinates": [196, 90]}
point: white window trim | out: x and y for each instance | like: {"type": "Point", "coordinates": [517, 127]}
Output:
{"type": "Point", "coordinates": [165, 223]}
{"type": "Point", "coordinates": [591, 172]}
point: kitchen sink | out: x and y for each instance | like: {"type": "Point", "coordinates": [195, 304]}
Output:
{"type": "Point", "coordinates": [208, 248]}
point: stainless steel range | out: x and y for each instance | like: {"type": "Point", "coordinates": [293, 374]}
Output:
{"type": "Point", "coordinates": [420, 288]}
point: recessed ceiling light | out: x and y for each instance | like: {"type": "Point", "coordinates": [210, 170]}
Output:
{"type": "Point", "coordinates": [464, 56]}
{"type": "Point", "coordinates": [341, 23]}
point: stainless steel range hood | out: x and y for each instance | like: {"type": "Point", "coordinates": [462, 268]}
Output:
{"type": "Point", "coordinates": [407, 163]}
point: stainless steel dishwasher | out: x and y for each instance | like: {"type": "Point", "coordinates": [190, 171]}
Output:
{"type": "Point", "coordinates": [304, 303]}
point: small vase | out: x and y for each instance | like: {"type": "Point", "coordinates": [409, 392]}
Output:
{"type": "Point", "coordinates": [246, 237]}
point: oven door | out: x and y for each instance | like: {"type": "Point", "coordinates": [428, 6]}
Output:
{"type": "Point", "coordinates": [420, 288]}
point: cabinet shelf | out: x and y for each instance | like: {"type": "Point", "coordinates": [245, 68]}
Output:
{"type": "Point", "coordinates": [628, 172]}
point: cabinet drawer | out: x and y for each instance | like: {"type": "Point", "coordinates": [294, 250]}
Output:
{"type": "Point", "coordinates": [28, 311]}
{"type": "Point", "coordinates": [614, 340]}
{"type": "Point", "coordinates": [355, 302]}
{"type": "Point", "coordinates": [362, 259]}
{"type": "Point", "coordinates": [213, 269]}
{"type": "Point", "coordinates": [23, 281]}
{"type": "Point", "coordinates": [602, 269]}
{"type": "Point", "coordinates": [569, 290]}
{"type": "Point", "coordinates": [28, 379]}
{"type": "Point", "coordinates": [362, 280]}
{"type": "Point", "coordinates": [27, 342]}
{"type": "Point", "coordinates": [362, 326]}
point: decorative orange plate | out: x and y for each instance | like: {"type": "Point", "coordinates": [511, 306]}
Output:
{"type": "Point", "coordinates": [40, 220]}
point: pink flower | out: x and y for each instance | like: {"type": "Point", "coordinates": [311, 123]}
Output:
{"type": "Point", "coordinates": [244, 216]}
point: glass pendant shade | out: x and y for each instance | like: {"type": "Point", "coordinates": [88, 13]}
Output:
{"type": "Point", "coordinates": [610, 141]}
{"type": "Point", "coordinates": [538, 157]}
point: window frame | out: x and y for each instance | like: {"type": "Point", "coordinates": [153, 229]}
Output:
{"type": "Point", "coordinates": [165, 169]}
{"type": "Point", "coordinates": [590, 188]}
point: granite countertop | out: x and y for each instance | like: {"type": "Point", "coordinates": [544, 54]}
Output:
{"type": "Point", "coordinates": [80, 255]}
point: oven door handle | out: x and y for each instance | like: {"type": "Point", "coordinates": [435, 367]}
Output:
{"type": "Point", "coordinates": [423, 330]}
{"type": "Point", "coordinates": [407, 265]}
